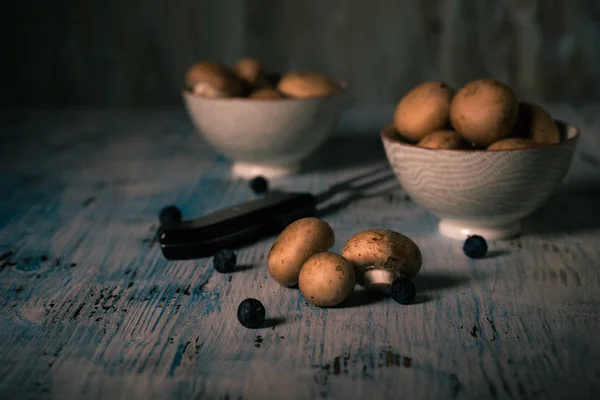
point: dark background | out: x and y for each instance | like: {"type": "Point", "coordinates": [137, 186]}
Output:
{"type": "Point", "coordinates": [133, 53]}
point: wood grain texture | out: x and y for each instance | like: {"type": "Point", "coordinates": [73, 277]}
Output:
{"type": "Point", "coordinates": [89, 308]}
{"type": "Point", "coordinates": [134, 53]}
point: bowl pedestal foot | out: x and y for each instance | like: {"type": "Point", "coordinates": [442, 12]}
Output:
{"type": "Point", "coordinates": [248, 170]}
{"type": "Point", "coordinates": [461, 230]}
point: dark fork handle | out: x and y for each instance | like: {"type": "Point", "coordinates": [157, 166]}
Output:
{"type": "Point", "coordinates": [234, 226]}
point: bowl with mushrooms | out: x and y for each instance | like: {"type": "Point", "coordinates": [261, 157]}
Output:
{"type": "Point", "coordinates": [267, 124]}
{"type": "Point", "coordinates": [477, 158]}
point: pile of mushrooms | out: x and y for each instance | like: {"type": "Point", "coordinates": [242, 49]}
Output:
{"type": "Point", "coordinates": [373, 258]}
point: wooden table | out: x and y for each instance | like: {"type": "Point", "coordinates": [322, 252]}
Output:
{"type": "Point", "coordinates": [90, 309]}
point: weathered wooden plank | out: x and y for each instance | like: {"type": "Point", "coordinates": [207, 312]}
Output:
{"type": "Point", "coordinates": [90, 308]}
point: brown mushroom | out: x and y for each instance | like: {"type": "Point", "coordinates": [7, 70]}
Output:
{"type": "Point", "coordinates": [380, 255]}
{"type": "Point", "coordinates": [296, 244]}
{"type": "Point", "coordinates": [210, 79]}
{"type": "Point", "coordinates": [326, 279]}
{"type": "Point", "coordinates": [249, 69]}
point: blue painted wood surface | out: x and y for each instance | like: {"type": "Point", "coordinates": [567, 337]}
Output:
{"type": "Point", "coordinates": [90, 309]}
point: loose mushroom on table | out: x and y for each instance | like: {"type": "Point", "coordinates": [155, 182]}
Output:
{"type": "Point", "coordinates": [380, 255]}
{"type": "Point", "coordinates": [297, 243]}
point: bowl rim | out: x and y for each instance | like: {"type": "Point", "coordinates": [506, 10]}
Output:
{"type": "Point", "coordinates": [342, 83]}
{"type": "Point", "coordinates": [385, 135]}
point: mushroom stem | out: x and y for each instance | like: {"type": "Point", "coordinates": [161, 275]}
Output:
{"type": "Point", "coordinates": [379, 279]}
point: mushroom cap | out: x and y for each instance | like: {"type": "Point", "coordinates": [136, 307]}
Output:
{"type": "Point", "coordinates": [326, 279]}
{"type": "Point", "coordinates": [249, 69]}
{"type": "Point", "coordinates": [305, 84]}
{"type": "Point", "coordinates": [484, 111]}
{"type": "Point", "coordinates": [444, 139]}
{"type": "Point", "coordinates": [205, 89]}
{"type": "Point", "coordinates": [535, 123]}
{"type": "Point", "coordinates": [423, 109]}
{"type": "Point", "coordinates": [266, 94]}
{"type": "Point", "coordinates": [513, 144]}
{"type": "Point", "coordinates": [297, 243]}
{"type": "Point", "coordinates": [383, 249]}
{"type": "Point", "coordinates": [214, 80]}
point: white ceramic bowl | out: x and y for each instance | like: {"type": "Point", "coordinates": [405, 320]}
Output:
{"type": "Point", "coordinates": [265, 137]}
{"type": "Point", "coordinates": [487, 193]}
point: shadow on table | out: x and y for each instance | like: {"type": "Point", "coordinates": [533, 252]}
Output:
{"type": "Point", "coordinates": [361, 297]}
{"type": "Point", "coordinates": [273, 322]}
{"type": "Point", "coordinates": [432, 281]}
{"type": "Point", "coordinates": [573, 209]}
{"type": "Point", "coordinates": [424, 282]}
{"type": "Point", "coordinates": [346, 150]}
{"type": "Point", "coordinates": [496, 253]}
{"type": "Point", "coordinates": [242, 268]}
{"type": "Point", "coordinates": [421, 298]}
